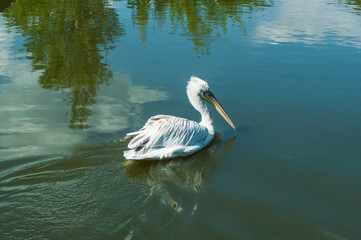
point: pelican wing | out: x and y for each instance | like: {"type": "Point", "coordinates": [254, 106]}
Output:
{"type": "Point", "coordinates": [162, 133]}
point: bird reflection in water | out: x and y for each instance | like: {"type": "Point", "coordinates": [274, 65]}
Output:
{"type": "Point", "coordinates": [190, 173]}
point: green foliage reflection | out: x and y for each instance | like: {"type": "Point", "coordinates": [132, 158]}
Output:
{"type": "Point", "coordinates": [200, 20]}
{"type": "Point", "coordinates": [355, 4]}
{"type": "Point", "coordinates": [4, 4]}
{"type": "Point", "coordinates": [67, 40]}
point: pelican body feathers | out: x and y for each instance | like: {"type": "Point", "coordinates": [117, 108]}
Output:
{"type": "Point", "coordinates": [165, 136]}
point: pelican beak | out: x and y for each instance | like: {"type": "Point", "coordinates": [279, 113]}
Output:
{"type": "Point", "coordinates": [211, 99]}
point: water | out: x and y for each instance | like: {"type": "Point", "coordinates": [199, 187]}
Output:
{"type": "Point", "coordinates": [76, 76]}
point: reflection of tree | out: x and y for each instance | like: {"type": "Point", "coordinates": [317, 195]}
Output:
{"type": "Point", "coordinates": [201, 20]}
{"type": "Point", "coordinates": [66, 40]}
{"type": "Point", "coordinates": [4, 4]}
{"type": "Point", "coordinates": [355, 4]}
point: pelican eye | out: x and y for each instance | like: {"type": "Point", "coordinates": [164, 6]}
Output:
{"type": "Point", "coordinates": [203, 93]}
{"type": "Point", "coordinates": [207, 93]}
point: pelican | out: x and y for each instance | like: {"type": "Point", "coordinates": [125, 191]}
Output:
{"type": "Point", "coordinates": [165, 137]}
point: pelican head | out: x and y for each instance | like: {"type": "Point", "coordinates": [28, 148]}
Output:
{"type": "Point", "coordinates": [198, 89]}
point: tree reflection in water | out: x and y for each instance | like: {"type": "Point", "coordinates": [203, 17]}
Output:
{"type": "Point", "coordinates": [354, 4]}
{"type": "Point", "coordinates": [200, 20]}
{"type": "Point", "coordinates": [190, 172]}
{"type": "Point", "coordinates": [68, 40]}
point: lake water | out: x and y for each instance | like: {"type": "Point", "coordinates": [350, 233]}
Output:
{"type": "Point", "coordinates": [76, 76]}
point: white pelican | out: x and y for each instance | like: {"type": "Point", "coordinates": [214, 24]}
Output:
{"type": "Point", "coordinates": [164, 136]}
